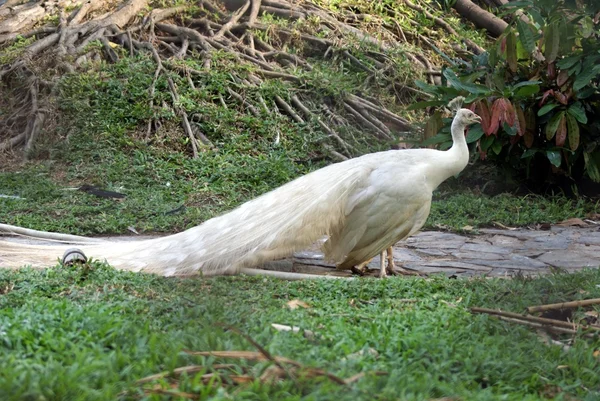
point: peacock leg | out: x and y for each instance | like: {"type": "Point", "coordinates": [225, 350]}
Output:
{"type": "Point", "coordinates": [382, 270]}
{"type": "Point", "coordinates": [391, 269]}
{"type": "Point", "coordinates": [390, 260]}
{"type": "Point", "coordinates": [361, 269]}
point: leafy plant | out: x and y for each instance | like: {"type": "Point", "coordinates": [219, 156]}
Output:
{"type": "Point", "coordinates": [536, 90]}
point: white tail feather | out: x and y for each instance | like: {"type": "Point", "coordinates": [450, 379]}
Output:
{"type": "Point", "coordinates": [269, 227]}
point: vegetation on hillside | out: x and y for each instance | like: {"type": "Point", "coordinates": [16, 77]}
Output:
{"type": "Point", "coordinates": [537, 90]}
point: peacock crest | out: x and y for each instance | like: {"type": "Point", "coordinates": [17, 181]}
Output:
{"type": "Point", "coordinates": [455, 104]}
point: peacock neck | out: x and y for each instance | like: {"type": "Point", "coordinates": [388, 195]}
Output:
{"type": "Point", "coordinates": [459, 152]}
{"type": "Point", "coordinates": [454, 160]}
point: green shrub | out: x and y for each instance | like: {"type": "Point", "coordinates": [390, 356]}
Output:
{"type": "Point", "coordinates": [536, 89]}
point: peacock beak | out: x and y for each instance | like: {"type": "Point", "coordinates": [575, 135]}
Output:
{"type": "Point", "coordinates": [476, 119]}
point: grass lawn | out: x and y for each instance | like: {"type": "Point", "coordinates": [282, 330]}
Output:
{"type": "Point", "coordinates": [76, 334]}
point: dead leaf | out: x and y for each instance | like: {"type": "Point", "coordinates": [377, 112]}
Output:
{"type": "Point", "coordinates": [247, 355]}
{"type": "Point", "coordinates": [593, 216]}
{"type": "Point", "coordinates": [467, 228]}
{"type": "Point", "coordinates": [573, 222]}
{"type": "Point", "coordinates": [545, 226]}
{"type": "Point", "coordinates": [503, 226]}
{"type": "Point", "coordinates": [296, 303]}
{"type": "Point", "coordinates": [596, 353]}
{"type": "Point", "coordinates": [562, 367]}
{"type": "Point", "coordinates": [294, 329]}
{"type": "Point", "coordinates": [550, 391]}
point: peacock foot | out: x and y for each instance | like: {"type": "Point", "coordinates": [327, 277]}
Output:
{"type": "Point", "coordinates": [404, 272]}
{"type": "Point", "coordinates": [357, 271]}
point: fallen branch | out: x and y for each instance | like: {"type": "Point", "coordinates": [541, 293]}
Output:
{"type": "Point", "coordinates": [182, 370]}
{"type": "Point", "coordinates": [282, 75]}
{"type": "Point", "coordinates": [480, 17]}
{"type": "Point", "coordinates": [381, 111]}
{"type": "Point", "coordinates": [558, 326]}
{"type": "Point", "coordinates": [564, 305]}
{"type": "Point", "coordinates": [288, 109]}
{"type": "Point", "coordinates": [440, 22]}
{"type": "Point", "coordinates": [308, 114]}
{"type": "Point", "coordinates": [361, 119]}
{"type": "Point", "coordinates": [234, 19]}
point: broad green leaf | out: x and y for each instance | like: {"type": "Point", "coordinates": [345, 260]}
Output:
{"type": "Point", "coordinates": [554, 156]}
{"type": "Point", "coordinates": [458, 84]}
{"type": "Point", "coordinates": [577, 111]}
{"type": "Point", "coordinates": [537, 17]}
{"type": "Point", "coordinates": [592, 164]}
{"type": "Point", "coordinates": [440, 138]}
{"type": "Point", "coordinates": [493, 56]}
{"type": "Point", "coordinates": [587, 26]}
{"type": "Point", "coordinates": [511, 51]}
{"type": "Point", "coordinates": [474, 76]}
{"type": "Point", "coordinates": [433, 125]}
{"type": "Point", "coordinates": [471, 98]}
{"type": "Point", "coordinates": [474, 133]}
{"type": "Point", "coordinates": [512, 131]}
{"type": "Point", "coordinates": [561, 131]}
{"type": "Point", "coordinates": [526, 91]}
{"type": "Point", "coordinates": [433, 89]}
{"type": "Point", "coordinates": [525, 83]}
{"type": "Point", "coordinates": [526, 36]}
{"type": "Point", "coordinates": [568, 62]}
{"type": "Point", "coordinates": [585, 93]}
{"type": "Point", "coordinates": [572, 132]}
{"type": "Point", "coordinates": [496, 147]}
{"type": "Point", "coordinates": [486, 142]}
{"type": "Point", "coordinates": [552, 125]}
{"type": "Point", "coordinates": [567, 36]}
{"type": "Point", "coordinates": [529, 153]}
{"type": "Point", "coordinates": [551, 41]}
{"type": "Point", "coordinates": [499, 81]}
{"type": "Point", "coordinates": [546, 108]}
{"type": "Point", "coordinates": [585, 77]}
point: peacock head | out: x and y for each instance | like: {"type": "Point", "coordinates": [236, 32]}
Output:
{"type": "Point", "coordinates": [466, 117]}
{"type": "Point", "coordinates": [463, 117]}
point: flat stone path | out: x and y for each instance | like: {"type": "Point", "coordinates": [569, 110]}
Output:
{"type": "Point", "coordinates": [491, 252]}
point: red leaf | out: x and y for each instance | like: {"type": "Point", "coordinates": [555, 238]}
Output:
{"type": "Point", "coordinates": [497, 112]}
{"type": "Point", "coordinates": [483, 109]}
{"type": "Point", "coordinates": [514, 139]}
{"type": "Point", "coordinates": [561, 132]}
{"type": "Point", "coordinates": [521, 122]}
{"type": "Point", "coordinates": [551, 71]}
{"type": "Point", "coordinates": [562, 78]}
{"type": "Point", "coordinates": [528, 139]}
{"type": "Point", "coordinates": [561, 97]}
{"type": "Point", "coordinates": [549, 92]}
{"type": "Point", "coordinates": [509, 113]}
{"type": "Point", "coordinates": [503, 45]}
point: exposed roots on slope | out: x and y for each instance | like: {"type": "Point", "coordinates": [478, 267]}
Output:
{"type": "Point", "coordinates": [36, 53]}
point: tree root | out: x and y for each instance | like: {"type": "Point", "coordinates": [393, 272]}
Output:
{"type": "Point", "coordinates": [170, 35]}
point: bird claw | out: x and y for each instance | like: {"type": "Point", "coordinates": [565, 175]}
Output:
{"type": "Point", "coordinates": [401, 271]}
{"type": "Point", "coordinates": [357, 271]}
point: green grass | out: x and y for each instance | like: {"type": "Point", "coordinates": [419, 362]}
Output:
{"type": "Point", "coordinates": [156, 186]}
{"type": "Point", "coordinates": [458, 209]}
{"type": "Point", "coordinates": [70, 334]}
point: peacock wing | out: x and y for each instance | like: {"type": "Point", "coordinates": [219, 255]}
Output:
{"type": "Point", "coordinates": [390, 207]}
